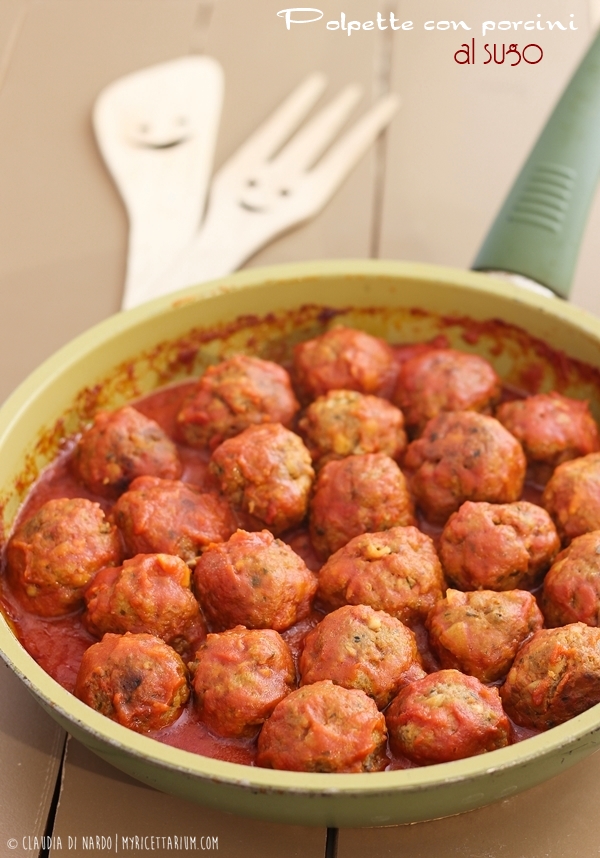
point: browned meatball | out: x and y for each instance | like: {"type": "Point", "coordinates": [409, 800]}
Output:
{"type": "Point", "coordinates": [357, 647]}
{"type": "Point", "coordinates": [552, 429]}
{"type": "Point", "coordinates": [479, 633]}
{"type": "Point", "coordinates": [266, 472]}
{"type": "Point", "coordinates": [119, 446]}
{"type": "Point", "coordinates": [54, 554]}
{"type": "Point", "coordinates": [171, 517]}
{"type": "Point", "coordinates": [572, 497]}
{"type": "Point", "coordinates": [555, 676]}
{"type": "Point", "coordinates": [464, 455]}
{"type": "Point", "coordinates": [240, 676]}
{"type": "Point", "coordinates": [344, 359]}
{"type": "Point", "coordinates": [136, 680]}
{"type": "Point", "coordinates": [345, 423]}
{"type": "Point", "coordinates": [149, 593]}
{"type": "Point", "coordinates": [446, 716]}
{"type": "Point", "coordinates": [358, 494]}
{"type": "Point", "coordinates": [253, 580]}
{"type": "Point", "coordinates": [397, 571]}
{"type": "Point", "coordinates": [571, 591]}
{"type": "Point", "coordinates": [324, 728]}
{"type": "Point", "coordinates": [488, 546]}
{"type": "Point", "coordinates": [441, 380]}
{"type": "Point", "coordinates": [233, 395]}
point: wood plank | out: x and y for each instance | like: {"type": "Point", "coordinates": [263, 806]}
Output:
{"type": "Point", "coordinates": [553, 820]}
{"type": "Point", "coordinates": [31, 742]}
{"type": "Point", "coordinates": [31, 746]}
{"type": "Point", "coordinates": [100, 801]}
{"type": "Point", "coordinates": [63, 228]}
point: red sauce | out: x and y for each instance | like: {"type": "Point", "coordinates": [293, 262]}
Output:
{"type": "Point", "coordinates": [58, 644]}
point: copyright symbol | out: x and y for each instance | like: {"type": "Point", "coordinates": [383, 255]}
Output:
{"type": "Point", "coordinates": [12, 843]}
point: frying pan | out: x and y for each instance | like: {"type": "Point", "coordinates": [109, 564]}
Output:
{"type": "Point", "coordinates": [266, 311]}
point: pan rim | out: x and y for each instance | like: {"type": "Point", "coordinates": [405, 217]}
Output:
{"type": "Point", "coordinates": [121, 740]}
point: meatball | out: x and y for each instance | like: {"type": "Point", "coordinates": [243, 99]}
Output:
{"type": "Point", "coordinates": [344, 359]}
{"type": "Point", "coordinates": [446, 716]}
{"type": "Point", "coordinates": [397, 571]}
{"type": "Point", "coordinates": [240, 676]}
{"type": "Point", "coordinates": [571, 591]}
{"type": "Point", "coordinates": [464, 455]}
{"type": "Point", "coordinates": [253, 580]}
{"type": "Point", "coordinates": [119, 446]}
{"type": "Point", "coordinates": [233, 395]}
{"type": "Point", "coordinates": [551, 428]}
{"type": "Point", "coordinates": [136, 680]}
{"type": "Point", "coordinates": [345, 423]}
{"type": "Point", "coordinates": [358, 494]}
{"type": "Point", "coordinates": [265, 472]}
{"type": "Point", "coordinates": [149, 593]}
{"type": "Point", "coordinates": [357, 647]}
{"type": "Point", "coordinates": [171, 517]}
{"type": "Point", "coordinates": [572, 497]}
{"type": "Point", "coordinates": [488, 546]}
{"type": "Point", "coordinates": [53, 555]}
{"type": "Point", "coordinates": [555, 676]}
{"type": "Point", "coordinates": [479, 633]}
{"type": "Point", "coordinates": [324, 728]}
{"type": "Point", "coordinates": [441, 380]}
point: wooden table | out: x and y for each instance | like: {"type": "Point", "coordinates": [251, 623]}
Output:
{"type": "Point", "coordinates": [428, 192]}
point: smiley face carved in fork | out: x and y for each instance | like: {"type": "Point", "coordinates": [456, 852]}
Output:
{"type": "Point", "coordinates": [258, 196]}
{"type": "Point", "coordinates": [276, 179]}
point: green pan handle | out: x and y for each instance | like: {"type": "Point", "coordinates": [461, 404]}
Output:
{"type": "Point", "coordinates": [540, 226]}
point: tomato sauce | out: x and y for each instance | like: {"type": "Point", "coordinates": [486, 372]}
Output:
{"type": "Point", "coordinates": [58, 644]}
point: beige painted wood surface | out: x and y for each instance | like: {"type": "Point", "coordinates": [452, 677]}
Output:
{"type": "Point", "coordinates": [63, 228]}
{"type": "Point", "coordinates": [31, 743]}
{"type": "Point", "coordinates": [558, 819]}
{"type": "Point", "coordinates": [428, 192]}
{"type": "Point", "coordinates": [97, 800]}
{"type": "Point", "coordinates": [467, 129]}
{"type": "Point", "coordinates": [31, 746]}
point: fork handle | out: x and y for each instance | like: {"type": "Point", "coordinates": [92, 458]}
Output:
{"type": "Point", "coordinates": [218, 250]}
{"type": "Point", "coordinates": [540, 226]}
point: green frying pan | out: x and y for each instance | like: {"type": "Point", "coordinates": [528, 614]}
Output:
{"type": "Point", "coordinates": [135, 351]}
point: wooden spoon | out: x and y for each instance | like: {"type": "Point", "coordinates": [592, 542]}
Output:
{"type": "Point", "coordinates": [157, 129]}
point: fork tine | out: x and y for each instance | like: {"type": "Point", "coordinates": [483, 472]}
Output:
{"type": "Point", "coordinates": [273, 133]}
{"type": "Point", "coordinates": [312, 140]}
{"type": "Point", "coordinates": [343, 155]}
